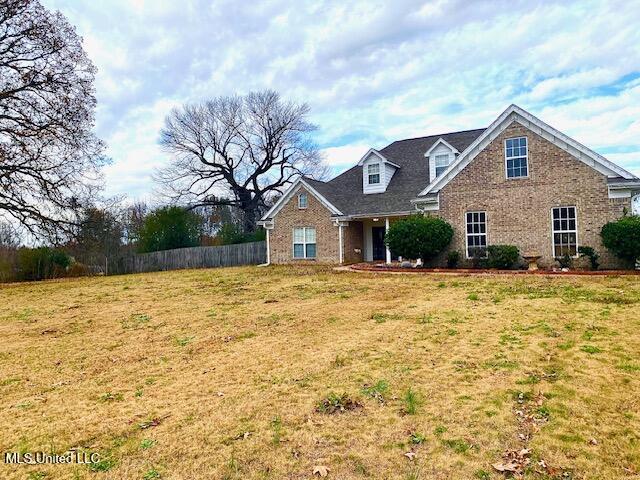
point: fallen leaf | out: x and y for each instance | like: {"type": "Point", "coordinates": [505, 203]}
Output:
{"type": "Point", "coordinates": [320, 470]}
{"type": "Point", "coordinates": [506, 467]}
{"type": "Point", "coordinates": [242, 436]}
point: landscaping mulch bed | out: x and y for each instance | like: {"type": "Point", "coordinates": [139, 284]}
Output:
{"type": "Point", "coordinates": [383, 268]}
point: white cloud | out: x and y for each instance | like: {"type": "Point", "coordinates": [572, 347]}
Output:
{"type": "Point", "coordinates": [372, 73]}
{"type": "Point", "coordinates": [567, 84]}
{"type": "Point", "coordinates": [341, 158]}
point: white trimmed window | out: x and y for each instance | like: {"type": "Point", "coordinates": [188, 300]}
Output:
{"type": "Point", "coordinates": [373, 173]}
{"type": "Point", "coordinates": [302, 200]}
{"type": "Point", "coordinates": [476, 228]}
{"type": "Point", "coordinates": [565, 231]}
{"type": "Point", "coordinates": [442, 162]}
{"type": "Point", "coordinates": [304, 242]}
{"type": "Point", "coordinates": [516, 157]}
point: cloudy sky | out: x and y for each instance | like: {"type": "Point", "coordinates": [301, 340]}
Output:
{"type": "Point", "coordinates": [372, 72]}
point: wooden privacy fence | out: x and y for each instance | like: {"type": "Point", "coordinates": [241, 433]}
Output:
{"type": "Point", "coordinates": [252, 253]}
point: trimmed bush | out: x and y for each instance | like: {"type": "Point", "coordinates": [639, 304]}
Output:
{"type": "Point", "coordinates": [591, 254]}
{"type": "Point", "coordinates": [419, 237]}
{"type": "Point", "coordinates": [502, 257]}
{"type": "Point", "coordinates": [478, 258]}
{"type": "Point", "coordinates": [453, 258]}
{"type": "Point", "coordinates": [622, 237]}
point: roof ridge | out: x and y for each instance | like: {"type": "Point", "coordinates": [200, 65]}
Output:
{"type": "Point", "coordinates": [437, 135]}
{"type": "Point", "coordinates": [306, 177]}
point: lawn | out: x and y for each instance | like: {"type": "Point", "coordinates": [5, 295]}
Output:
{"type": "Point", "coordinates": [270, 373]}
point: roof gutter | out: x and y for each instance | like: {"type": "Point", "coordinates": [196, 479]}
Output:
{"type": "Point", "coordinates": [430, 199]}
{"type": "Point", "coordinates": [622, 185]}
{"type": "Point", "coordinates": [359, 216]}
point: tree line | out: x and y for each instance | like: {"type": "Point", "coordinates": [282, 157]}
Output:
{"type": "Point", "coordinates": [116, 230]}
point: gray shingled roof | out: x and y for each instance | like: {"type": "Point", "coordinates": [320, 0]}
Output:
{"type": "Point", "coordinates": [345, 190]}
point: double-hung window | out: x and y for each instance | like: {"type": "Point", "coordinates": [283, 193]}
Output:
{"type": "Point", "coordinates": [302, 200]}
{"type": "Point", "coordinates": [476, 234]}
{"type": "Point", "coordinates": [442, 162]}
{"type": "Point", "coordinates": [516, 157]}
{"type": "Point", "coordinates": [564, 231]}
{"type": "Point", "coordinates": [304, 242]}
{"type": "Point", "coordinates": [373, 173]}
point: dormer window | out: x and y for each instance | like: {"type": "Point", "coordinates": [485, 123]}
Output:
{"type": "Point", "coordinates": [442, 162]}
{"type": "Point", "coordinates": [377, 172]}
{"type": "Point", "coordinates": [373, 173]}
{"type": "Point", "coordinates": [440, 155]}
{"type": "Point", "coordinates": [302, 200]}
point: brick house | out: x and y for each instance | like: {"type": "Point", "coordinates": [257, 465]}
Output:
{"type": "Point", "coordinates": [518, 182]}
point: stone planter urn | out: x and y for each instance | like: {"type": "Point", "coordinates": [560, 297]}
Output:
{"type": "Point", "coordinates": [532, 259]}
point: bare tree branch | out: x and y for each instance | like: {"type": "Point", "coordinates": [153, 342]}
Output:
{"type": "Point", "coordinates": [240, 149]}
{"type": "Point", "coordinates": [49, 158]}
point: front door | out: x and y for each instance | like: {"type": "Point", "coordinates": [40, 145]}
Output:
{"type": "Point", "coordinates": [379, 249]}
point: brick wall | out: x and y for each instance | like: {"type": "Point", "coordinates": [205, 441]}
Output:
{"type": "Point", "coordinates": [519, 210]}
{"type": "Point", "coordinates": [315, 215]}
{"type": "Point", "coordinates": [353, 238]}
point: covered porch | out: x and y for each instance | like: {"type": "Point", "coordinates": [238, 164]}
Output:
{"type": "Point", "coordinates": [362, 238]}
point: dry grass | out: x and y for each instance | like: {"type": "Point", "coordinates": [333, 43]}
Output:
{"type": "Point", "coordinates": [223, 374]}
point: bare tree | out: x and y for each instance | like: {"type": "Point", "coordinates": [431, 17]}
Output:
{"type": "Point", "coordinates": [49, 158]}
{"type": "Point", "coordinates": [215, 216]}
{"type": "Point", "coordinates": [9, 238]}
{"type": "Point", "coordinates": [100, 235]}
{"type": "Point", "coordinates": [237, 151]}
{"type": "Point", "coordinates": [132, 220]}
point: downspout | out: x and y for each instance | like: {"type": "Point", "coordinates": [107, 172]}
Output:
{"type": "Point", "coordinates": [268, 249]}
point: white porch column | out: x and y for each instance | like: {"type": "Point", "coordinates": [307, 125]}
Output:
{"type": "Point", "coordinates": [386, 229]}
{"type": "Point", "coordinates": [340, 243]}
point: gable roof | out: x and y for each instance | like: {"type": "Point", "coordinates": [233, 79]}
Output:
{"type": "Point", "coordinates": [377, 154]}
{"type": "Point", "coordinates": [308, 183]}
{"type": "Point", "coordinates": [513, 113]}
{"type": "Point", "coordinates": [441, 141]}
